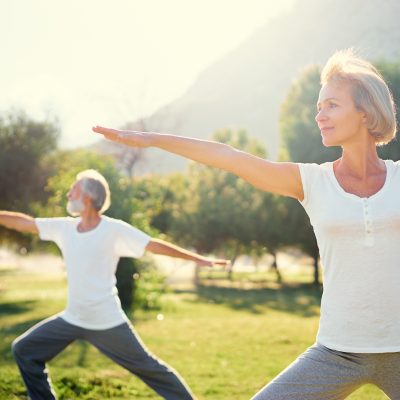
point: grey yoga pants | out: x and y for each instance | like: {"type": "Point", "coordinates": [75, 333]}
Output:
{"type": "Point", "coordinates": [48, 338]}
{"type": "Point", "coordinates": [324, 374]}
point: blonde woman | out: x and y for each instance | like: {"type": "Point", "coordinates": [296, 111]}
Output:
{"type": "Point", "coordinates": [354, 206]}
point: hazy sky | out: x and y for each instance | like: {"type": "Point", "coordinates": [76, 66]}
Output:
{"type": "Point", "coordinates": [112, 61]}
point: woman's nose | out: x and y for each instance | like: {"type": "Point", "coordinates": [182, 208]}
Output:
{"type": "Point", "coordinates": [320, 116]}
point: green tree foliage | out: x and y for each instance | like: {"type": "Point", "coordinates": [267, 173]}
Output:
{"type": "Point", "coordinates": [391, 73]}
{"type": "Point", "coordinates": [302, 142]}
{"type": "Point", "coordinates": [269, 215]}
{"type": "Point", "coordinates": [69, 163]}
{"type": "Point", "coordinates": [298, 130]}
{"type": "Point", "coordinates": [159, 196]}
{"type": "Point", "coordinates": [213, 208]}
{"type": "Point", "coordinates": [301, 234]}
{"type": "Point", "coordinates": [24, 146]}
{"type": "Point", "coordinates": [217, 212]}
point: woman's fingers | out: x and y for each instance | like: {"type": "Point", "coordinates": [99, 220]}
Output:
{"type": "Point", "coordinates": [105, 131]}
{"type": "Point", "coordinates": [111, 134]}
{"type": "Point", "coordinates": [130, 138]}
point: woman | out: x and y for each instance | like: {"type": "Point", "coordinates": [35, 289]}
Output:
{"type": "Point", "coordinates": [354, 206]}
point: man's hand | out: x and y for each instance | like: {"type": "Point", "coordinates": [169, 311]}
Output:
{"type": "Point", "coordinates": [130, 138]}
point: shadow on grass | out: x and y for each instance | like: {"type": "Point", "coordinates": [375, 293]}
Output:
{"type": "Point", "coordinates": [299, 299]}
{"type": "Point", "coordinates": [10, 333]}
{"type": "Point", "coordinates": [83, 351]}
{"type": "Point", "coordinates": [16, 307]}
{"type": "Point", "coordinates": [8, 271]}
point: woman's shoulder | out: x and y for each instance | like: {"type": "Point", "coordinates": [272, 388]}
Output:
{"type": "Point", "coordinates": [393, 163]}
{"type": "Point", "coordinates": [393, 167]}
{"type": "Point", "coordinates": [315, 169]}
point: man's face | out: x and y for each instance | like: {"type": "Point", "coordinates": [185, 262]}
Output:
{"type": "Point", "coordinates": [75, 205]}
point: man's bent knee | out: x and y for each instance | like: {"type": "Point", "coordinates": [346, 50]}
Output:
{"type": "Point", "coordinates": [17, 347]}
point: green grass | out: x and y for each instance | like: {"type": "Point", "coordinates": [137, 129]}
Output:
{"type": "Point", "coordinates": [226, 340]}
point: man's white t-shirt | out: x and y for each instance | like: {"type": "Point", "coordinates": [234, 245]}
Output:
{"type": "Point", "coordinates": [91, 260]}
{"type": "Point", "coordinates": [359, 243]}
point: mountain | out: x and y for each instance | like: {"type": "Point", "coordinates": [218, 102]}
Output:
{"type": "Point", "coordinates": [245, 88]}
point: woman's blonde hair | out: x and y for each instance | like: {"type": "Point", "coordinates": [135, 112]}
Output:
{"type": "Point", "coordinates": [370, 92]}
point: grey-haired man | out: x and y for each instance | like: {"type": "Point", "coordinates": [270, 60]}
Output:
{"type": "Point", "coordinates": [91, 246]}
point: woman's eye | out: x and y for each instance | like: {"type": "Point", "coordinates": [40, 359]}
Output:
{"type": "Point", "coordinates": [332, 105]}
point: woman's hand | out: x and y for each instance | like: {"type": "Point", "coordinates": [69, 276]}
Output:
{"type": "Point", "coordinates": [129, 138]}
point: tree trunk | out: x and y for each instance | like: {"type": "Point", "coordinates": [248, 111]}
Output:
{"type": "Point", "coordinates": [316, 270]}
{"type": "Point", "coordinates": [274, 266]}
{"type": "Point", "coordinates": [196, 274]}
{"type": "Point", "coordinates": [230, 269]}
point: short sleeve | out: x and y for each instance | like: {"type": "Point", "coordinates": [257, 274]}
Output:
{"type": "Point", "coordinates": [130, 241]}
{"type": "Point", "coordinates": [52, 229]}
{"type": "Point", "coordinates": [309, 174]}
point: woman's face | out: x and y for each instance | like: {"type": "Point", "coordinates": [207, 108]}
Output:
{"type": "Point", "coordinates": [338, 119]}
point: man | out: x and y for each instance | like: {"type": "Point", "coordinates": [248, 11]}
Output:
{"type": "Point", "coordinates": [91, 246]}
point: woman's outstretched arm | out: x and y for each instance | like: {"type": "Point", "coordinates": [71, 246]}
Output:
{"type": "Point", "coordinates": [276, 177]}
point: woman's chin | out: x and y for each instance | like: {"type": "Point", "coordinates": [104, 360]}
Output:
{"type": "Point", "coordinates": [329, 143]}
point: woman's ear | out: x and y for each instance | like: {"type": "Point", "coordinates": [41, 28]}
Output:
{"type": "Point", "coordinates": [364, 117]}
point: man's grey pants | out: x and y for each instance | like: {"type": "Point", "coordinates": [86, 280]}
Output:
{"type": "Point", "coordinates": [48, 338]}
{"type": "Point", "coordinates": [324, 374]}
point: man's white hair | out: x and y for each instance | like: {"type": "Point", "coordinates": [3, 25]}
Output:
{"type": "Point", "coordinates": [96, 187]}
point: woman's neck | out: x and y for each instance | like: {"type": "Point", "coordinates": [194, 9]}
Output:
{"type": "Point", "coordinates": [359, 161]}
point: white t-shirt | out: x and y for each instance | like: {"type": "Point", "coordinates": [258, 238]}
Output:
{"type": "Point", "coordinates": [91, 260]}
{"type": "Point", "coordinates": [359, 243]}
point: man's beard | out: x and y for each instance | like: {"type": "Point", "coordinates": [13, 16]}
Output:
{"type": "Point", "coordinates": [75, 207]}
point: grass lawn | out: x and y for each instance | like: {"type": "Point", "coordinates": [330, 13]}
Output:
{"type": "Point", "coordinates": [227, 341]}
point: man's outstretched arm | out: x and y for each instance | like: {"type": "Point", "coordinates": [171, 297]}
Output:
{"type": "Point", "coordinates": [18, 221]}
{"type": "Point", "coordinates": [158, 246]}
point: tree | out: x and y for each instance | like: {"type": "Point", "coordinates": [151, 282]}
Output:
{"type": "Point", "coordinates": [302, 142]}
{"type": "Point", "coordinates": [301, 234]}
{"type": "Point", "coordinates": [24, 146]}
{"type": "Point", "coordinates": [300, 136]}
{"type": "Point", "coordinates": [391, 74]}
{"type": "Point", "coordinates": [213, 213]}
{"type": "Point", "coordinates": [269, 221]}
{"type": "Point", "coordinates": [158, 196]}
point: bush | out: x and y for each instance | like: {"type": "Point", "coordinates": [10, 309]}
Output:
{"type": "Point", "coordinates": [140, 285]}
{"type": "Point", "coordinates": [149, 287]}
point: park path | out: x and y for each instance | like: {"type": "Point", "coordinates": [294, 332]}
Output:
{"type": "Point", "coordinates": [178, 272]}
